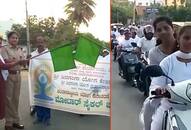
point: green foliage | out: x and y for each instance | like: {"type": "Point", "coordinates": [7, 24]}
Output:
{"type": "Point", "coordinates": [121, 11]}
{"type": "Point", "coordinates": [80, 11]}
{"type": "Point", "coordinates": [47, 26]}
{"type": "Point", "coordinates": [180, 14]}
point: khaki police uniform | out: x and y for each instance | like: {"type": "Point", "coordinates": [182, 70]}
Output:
{"type": "Point", "coordinates": [13, 85]}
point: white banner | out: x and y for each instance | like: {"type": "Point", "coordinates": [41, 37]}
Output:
{"type": "Point", "coordinates": [83, 90]}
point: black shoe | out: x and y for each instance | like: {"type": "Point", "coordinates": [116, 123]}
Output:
{"type": "Point", "coordinates": [18, 126]}
{"type": "Point", "coordinates": [32, 112]}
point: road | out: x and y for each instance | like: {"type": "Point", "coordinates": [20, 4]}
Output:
{"type": "Point", "coordinates": [60, 120]}
{"type": "Point", "coordinates": [126, 103]}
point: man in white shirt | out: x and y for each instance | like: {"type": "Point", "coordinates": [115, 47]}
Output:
{"type": "Point", "coordinates": [146, 43]}
{"type": "Point", "coordinates": [43, 113]}
{"type": "Point", "coordinates": [121, 36]}
{"type": "Point", "coordinates": [126, 42]}
{"type": "Point", "coordinates": [134, 38]}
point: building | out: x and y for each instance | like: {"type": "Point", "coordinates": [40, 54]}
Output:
{"type": "Point", "coordinates": [140, 10]}
{"type": "Point", "coordinates": [174, 2]}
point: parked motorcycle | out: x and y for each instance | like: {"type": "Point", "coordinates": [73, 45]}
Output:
{"type": "Point", "coordinates": [179, 95]}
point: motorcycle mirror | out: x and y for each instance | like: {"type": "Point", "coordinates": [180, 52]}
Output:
{"type": "Point", "coordinates": [156, 71]}
{"type": "Point", "coordinates": [134, 44]}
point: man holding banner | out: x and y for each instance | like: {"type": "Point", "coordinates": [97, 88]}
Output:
{"type": "Point", "coordinates": [42, 113]}
{"type": "Point", "coordinates": [77, 83]}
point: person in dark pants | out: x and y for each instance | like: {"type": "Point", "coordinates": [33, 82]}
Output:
{"type": "Point", "coordinates": [43, 114]}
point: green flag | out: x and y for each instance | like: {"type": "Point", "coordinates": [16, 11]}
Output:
{"type": "Point", "coordinates": [87, 51]}
{"type": "Point", "coordinates": [62, 58]}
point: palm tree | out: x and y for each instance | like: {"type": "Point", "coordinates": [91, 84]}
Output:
{"type": "Point", "coordinates": [80, 11]}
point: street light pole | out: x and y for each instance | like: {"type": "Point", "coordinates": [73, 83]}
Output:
{"type": "Point", "coordinates": [27, 30]}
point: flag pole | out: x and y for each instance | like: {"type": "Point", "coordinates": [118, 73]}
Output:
{"type": "Point", "coordinates": [27, 30]}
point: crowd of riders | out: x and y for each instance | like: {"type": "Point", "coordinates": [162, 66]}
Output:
{"type": "Point", "coordinates": [155, 44]}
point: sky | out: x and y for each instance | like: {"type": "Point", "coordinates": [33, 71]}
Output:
{"type": "Point", "coordinates": [99, 26]}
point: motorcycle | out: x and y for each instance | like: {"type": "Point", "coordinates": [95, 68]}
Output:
{"type": "Point", "coordinates": [114, 48]}
{"type": "Point", "coordinates": [143, 81]}
{"type": "Point", "coordinates": [129, 62]}
{"type": "Point", "coordinates": [179, 95]}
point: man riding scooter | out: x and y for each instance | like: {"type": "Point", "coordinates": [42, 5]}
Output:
{"type": "Point", "coordinates": [145, 44]}
{"type": "Point", "coordinates": [127, 59]}
{"type": "Point", "coordinates": [125, 44]}
{"type": "Point", "coordinates": [115, 41]}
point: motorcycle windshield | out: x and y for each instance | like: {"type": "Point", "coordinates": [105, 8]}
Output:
{"type": "Point", "coordinates": [183, 119]}
{"type": "Point", "coordinates": [181, 92]}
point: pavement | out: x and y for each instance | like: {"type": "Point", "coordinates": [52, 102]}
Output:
{"type": "Point", "coordinates": [126, 103]}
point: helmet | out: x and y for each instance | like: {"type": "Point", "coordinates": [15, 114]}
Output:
{"type": "Point", "coordinates": [148, 28]}
{"type": "Point", "coordinates": [126, 30]}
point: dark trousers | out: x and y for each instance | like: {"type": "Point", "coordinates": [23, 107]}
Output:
{"type": "Point", "coordinates": [43, 113]}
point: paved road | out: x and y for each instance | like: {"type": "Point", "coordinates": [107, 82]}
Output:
{"type": "Point", "coordinates": [60, 120]}
{"type": "Point", "coordinates": [126, 103]}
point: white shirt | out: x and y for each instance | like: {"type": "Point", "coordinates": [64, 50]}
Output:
{"type": "Point", "coordinates": [140, 32]}
{"type": "Point", "coordinates": [117, 33]}
{"type": "Point", "coordinates": [104, 59]}
{"type": "Point", "coordinates": [136, 39]}
{"type": "Point", "coordinates": [120, 38]}
{"type": "Point", "coordinates": [35, 53]}
{"type": "Point", "coordinates": [175, 69]}
{"type": "Point", "coordinates": [145, 44]}
{"type": "Point", "coordinates": [126, 44]}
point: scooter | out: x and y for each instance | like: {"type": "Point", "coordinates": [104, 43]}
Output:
{"type": "Point", "coordinates": [129, 62]}
{"type": "Point", "coordinates": [143, 80]}
{"type": "Point", "coordinates": [114, 48]}
{"type": "Point", "coordinates": [179, 95]}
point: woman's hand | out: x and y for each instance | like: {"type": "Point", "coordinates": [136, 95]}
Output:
{"type": "Point", "coordinates": [160, 91]}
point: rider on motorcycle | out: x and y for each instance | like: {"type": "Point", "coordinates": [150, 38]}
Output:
{"type": "Point", "coordinates": [124, 45]}
{"type": "Point", "coordinates": [146, 43]}
{"type": "Point", "coordinates": [178, 67]}
{"type": "Point", "coordinates": [166, 45]}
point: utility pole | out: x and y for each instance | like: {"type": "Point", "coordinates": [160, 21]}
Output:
{"type": "Point", "coordinates": [27, 30]}
{"type": "Point", "coordinates": [134, 11]}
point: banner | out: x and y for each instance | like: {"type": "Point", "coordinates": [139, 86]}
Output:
{"type": "Point", "coordinates": [83, 90]}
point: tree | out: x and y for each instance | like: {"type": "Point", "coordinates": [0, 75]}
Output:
{"type": "Point", "coordinates": [121, 11]}
{"type": "Point", "coordinates": [64, 31]}
{"type": "Point", "coordinates": [80, 11]}
{"type": "Point", "coordinates": [47, 25]}
{"type": "Point", "coordinates": [180, 14]}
